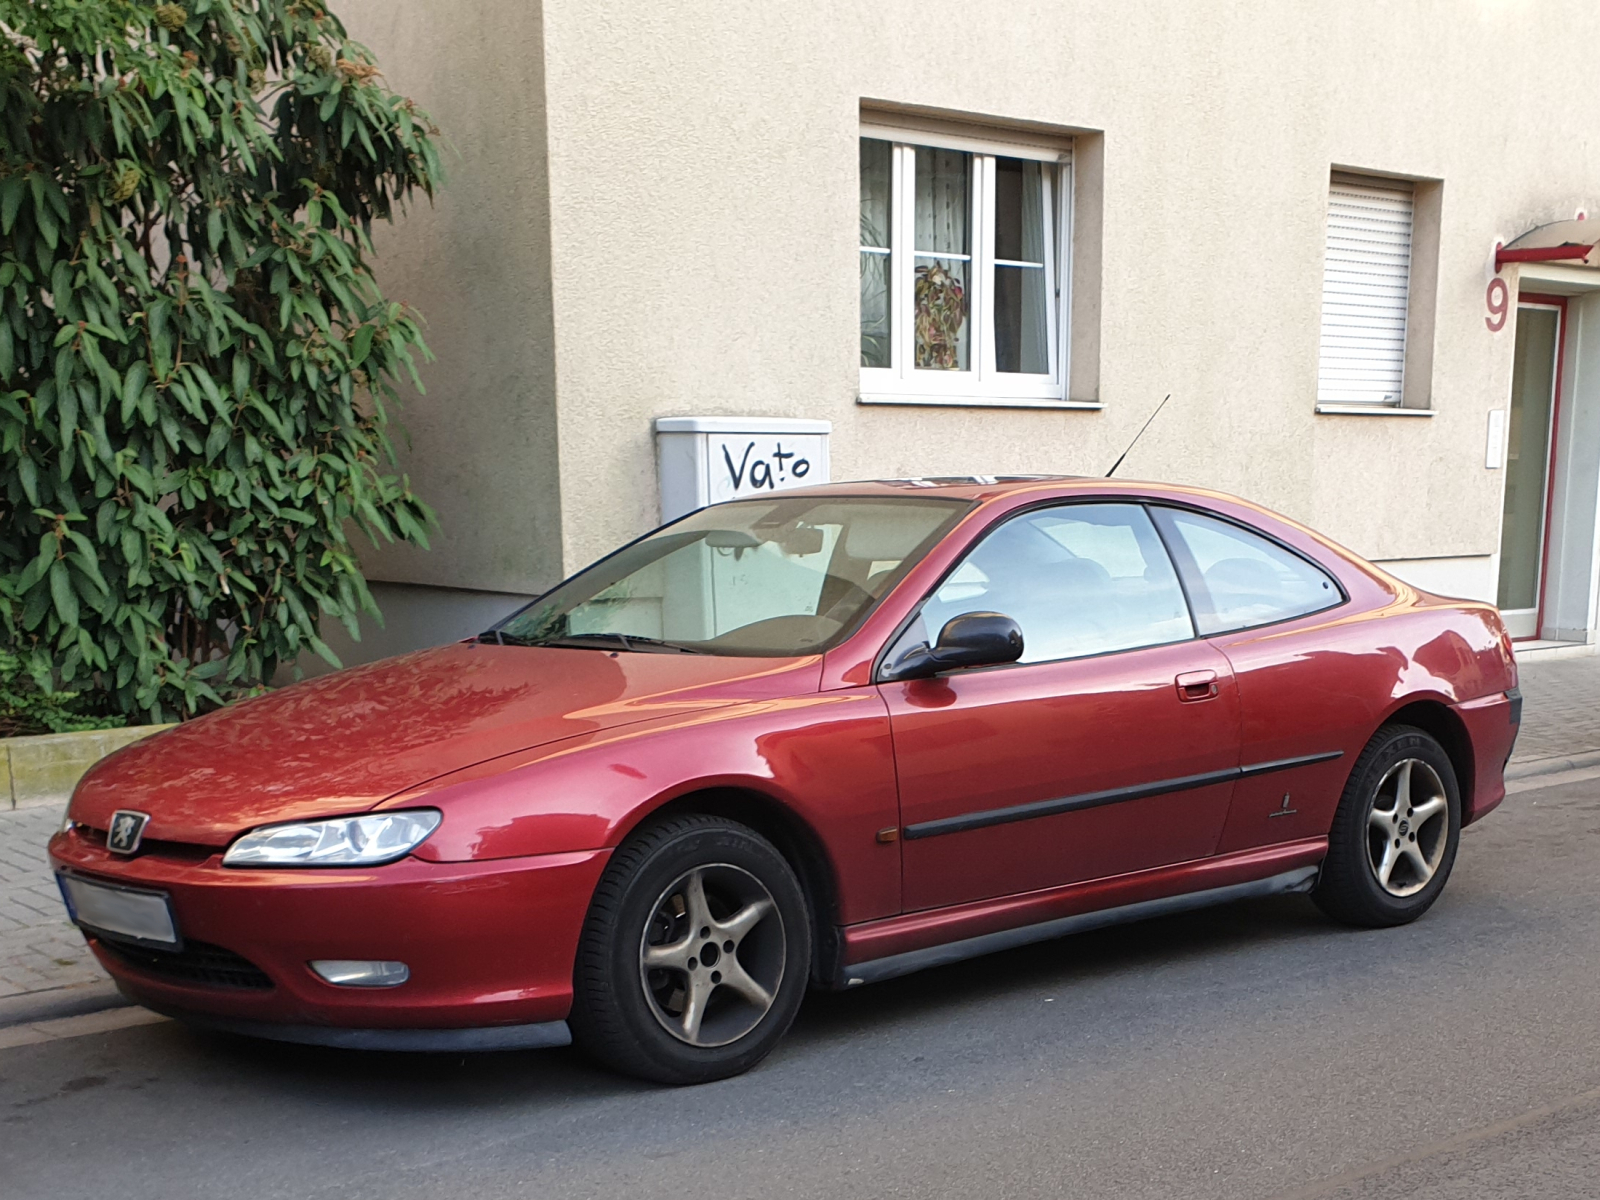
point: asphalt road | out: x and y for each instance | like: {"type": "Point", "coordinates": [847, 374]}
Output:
{"type": "Point", "coordinates": [1248, 1051]}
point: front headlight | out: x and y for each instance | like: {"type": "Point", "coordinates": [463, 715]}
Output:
{"type": "Point", "coordinates": [342, 842]}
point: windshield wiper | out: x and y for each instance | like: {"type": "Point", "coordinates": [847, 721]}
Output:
{"type": "Point", "coordinates": [501, 638]}
{"type": "Point", "coordinates": [628, 641]}
{"type": "Point", "coordinates": [586, 641]}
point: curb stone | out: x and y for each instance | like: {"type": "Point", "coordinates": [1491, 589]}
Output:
{"type": "Point", "coordinates": [1548, 765]}
{"type": "Point", "coordinates": [74, 1001]}
{"type": "Point", "coordinates": [43, 768]}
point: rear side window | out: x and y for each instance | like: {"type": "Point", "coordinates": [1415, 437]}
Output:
{"type": "Point", "coordinates": [1237, 579]}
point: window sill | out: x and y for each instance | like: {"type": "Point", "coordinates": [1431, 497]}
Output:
{"type": "Point", "coordinates": [1372, 410]}
{"type": "Point", "coordinates": [930, 401]}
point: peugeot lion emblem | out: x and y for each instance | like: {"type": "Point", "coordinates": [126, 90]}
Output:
{"type": "Point", "coordinates": [126, 830]}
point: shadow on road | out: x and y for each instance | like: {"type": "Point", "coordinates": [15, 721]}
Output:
{"type": "Point", "coordinates": [1064, 962]}
{"type": "Point", "coordinates": [957, 992]}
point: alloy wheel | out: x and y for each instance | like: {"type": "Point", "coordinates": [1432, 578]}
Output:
{"type": "Point", "coordinates": [712, 955]}
{"type": "Point", "coordinates": [1408, 827]}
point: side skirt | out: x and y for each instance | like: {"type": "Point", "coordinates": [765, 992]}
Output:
{"type": "Point", "coordinates": [1300, 879]}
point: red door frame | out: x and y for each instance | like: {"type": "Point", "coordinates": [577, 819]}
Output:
{"type": "Point", "coordinates": [1559, 303]}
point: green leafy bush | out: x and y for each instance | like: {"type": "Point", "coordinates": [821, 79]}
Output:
{"type": "Point", "coordinates": [196, 367]}
{"type": "Point", "coordinates": [27, 706]}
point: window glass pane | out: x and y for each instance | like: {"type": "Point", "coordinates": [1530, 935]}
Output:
{"type": "Point", "coordinates": [1533, 381]}
{"type": "Point", "coordinates": [1021, 307]}
{"type": "Point", "coordinates": [943, 258]}
{"type": "Point", "coordinates": [1019, 211]}
{"type": "Point", "coordinates": [876, 181]}
{"type": "Point", "coordinates": [876, 187]}
{"type": "Point", "coordinates": [1244, 579]}
{"type": "Point", "coordinates": [1021, 321]}
{"type": "Point", "coordinates": [1080, 579]}
{"type": "Point", "coordinates": [752, 577]}
{"type": "Point", "coordinates": [875, 342]}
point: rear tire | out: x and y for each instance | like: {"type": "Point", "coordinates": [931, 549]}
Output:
{"type": "Point", "coordinates": [695, 954]}
{"type": "Point", "coordinates": [1395, 834]}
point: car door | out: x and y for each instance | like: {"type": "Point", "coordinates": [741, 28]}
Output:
{"type": "Point", "coordinates": [1111, 746]}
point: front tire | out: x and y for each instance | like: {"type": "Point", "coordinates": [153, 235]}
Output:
{"type": "Point", "coordinates": [1395, 834]}
{"type": "Point", "coordinates": [695, 953]}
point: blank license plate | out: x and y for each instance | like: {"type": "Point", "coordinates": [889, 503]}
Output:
{"type": "Point", "coordinates": [143, 915]}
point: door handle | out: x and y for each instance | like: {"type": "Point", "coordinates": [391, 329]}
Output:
{"type": "Point", "coordinates": [1196, 685]}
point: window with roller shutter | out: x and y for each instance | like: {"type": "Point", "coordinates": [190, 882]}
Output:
{"type": "Point", "coordinates": [1366, 287]}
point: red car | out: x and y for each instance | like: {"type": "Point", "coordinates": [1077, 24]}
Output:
{"type": "Point", "coordinates": [813, 739]}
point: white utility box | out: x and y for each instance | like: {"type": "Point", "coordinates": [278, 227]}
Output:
{"type": "Point", "coordinates": [706, 460]}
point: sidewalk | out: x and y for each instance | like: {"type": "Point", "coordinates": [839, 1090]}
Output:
{"type": "Point", "coordinates": [1560, 715]}
{"type": "Point", "coordinates": [40, 951]}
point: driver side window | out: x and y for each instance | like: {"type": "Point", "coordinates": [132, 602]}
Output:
{"type": "Point", "coordinates": [1080, 579]}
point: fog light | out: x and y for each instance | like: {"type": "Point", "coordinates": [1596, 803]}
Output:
{"type": "Point", "coordinates": [356, 972]}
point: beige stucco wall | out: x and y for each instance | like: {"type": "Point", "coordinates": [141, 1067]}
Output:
{"type": "Point", "coordinates": [700, 192]}
{"type": "Point", "coordinates": [703, 165]}
{"type": "Point", "coordinates": [476, 263]}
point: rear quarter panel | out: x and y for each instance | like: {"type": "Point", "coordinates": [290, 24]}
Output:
{"type": "Point", "coordinates": [1330, 681]}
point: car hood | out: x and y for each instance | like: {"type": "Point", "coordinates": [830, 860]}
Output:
{"type": "Point", "coordinates": [344, 742]}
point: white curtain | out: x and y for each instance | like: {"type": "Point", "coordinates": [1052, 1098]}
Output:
{"type": "Point", "coordinates": [1035, 331]}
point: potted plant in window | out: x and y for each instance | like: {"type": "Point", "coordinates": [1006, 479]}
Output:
{"type": "Point", "coordinates": [941, 301]}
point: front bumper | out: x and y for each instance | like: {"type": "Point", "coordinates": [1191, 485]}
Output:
{"type": "Point", "coordinates": [489, 944]}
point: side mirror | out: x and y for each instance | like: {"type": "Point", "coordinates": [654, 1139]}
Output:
{"type": "Point", "coordinates": [975, 639]}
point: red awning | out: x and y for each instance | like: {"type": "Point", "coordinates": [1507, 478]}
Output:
{"type": "Point", "coordinates": [1561, 241]}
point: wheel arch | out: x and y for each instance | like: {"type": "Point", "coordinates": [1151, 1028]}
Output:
{"type": "Point", "coordinates": [800, 844]}
{"type": "Point", "coordinates": [1436, 718]}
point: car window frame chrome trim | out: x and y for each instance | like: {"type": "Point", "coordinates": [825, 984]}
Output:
{"type": "Point", "coordinates": [880, 659]}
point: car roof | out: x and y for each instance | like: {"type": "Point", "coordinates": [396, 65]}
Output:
{"type": "Point", "coordinates": [991, 487]}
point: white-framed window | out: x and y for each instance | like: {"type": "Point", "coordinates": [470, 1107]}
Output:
{"type": "Point", "coordinates": [963, 269]}
{"type": "Point", "coordinates": [1366, 290]}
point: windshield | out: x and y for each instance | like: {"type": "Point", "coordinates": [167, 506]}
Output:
{"type": "Point", "coordinates": [778, 576]}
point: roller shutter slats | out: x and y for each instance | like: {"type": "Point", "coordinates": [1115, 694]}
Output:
{"type": "Point", "coordinates": [1365, 288]}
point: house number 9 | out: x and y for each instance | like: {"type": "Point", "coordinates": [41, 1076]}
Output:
{"type": "Point", "coordinates": [1498, 298]}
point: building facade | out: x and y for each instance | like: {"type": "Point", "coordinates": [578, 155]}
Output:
{"type": "Point", "coordinates": [990, 239]}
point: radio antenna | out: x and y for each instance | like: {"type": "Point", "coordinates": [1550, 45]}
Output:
{"type": "Point", "coordinates": [1138, 435]}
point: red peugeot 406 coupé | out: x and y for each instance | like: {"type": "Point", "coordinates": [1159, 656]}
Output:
{"type": "Point", "coordinates": [814, 739]}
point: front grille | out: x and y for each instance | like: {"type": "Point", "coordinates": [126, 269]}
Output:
{"type": "Point", "coordinates": [155, 847]}
{"type": "Point", "coordinates": [197, 963]}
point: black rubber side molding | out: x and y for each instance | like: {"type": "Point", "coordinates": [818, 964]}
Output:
{"type": "Point", "coordinates": [962, 822]}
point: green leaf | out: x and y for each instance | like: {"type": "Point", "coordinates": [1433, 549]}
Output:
{"type": "Point", "coordinates": [12, 190]}
{"type": "Point", "coordinates": [28, 476]}
{"type": "Point", "coordinates": [133, 382]}
{"type": "Point", "coordinates": [66, 600]}
{"type": "Point", "coordinates": [361, 345]}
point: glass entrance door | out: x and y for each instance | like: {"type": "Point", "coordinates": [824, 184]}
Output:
{"type": "Point", "coordinates": [1529, 435]}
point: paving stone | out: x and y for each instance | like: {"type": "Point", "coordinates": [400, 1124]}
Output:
{"type": "Point", "coordinates": [38, 947]}
{"type": "Point", "coordinates": [1560, 708]}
